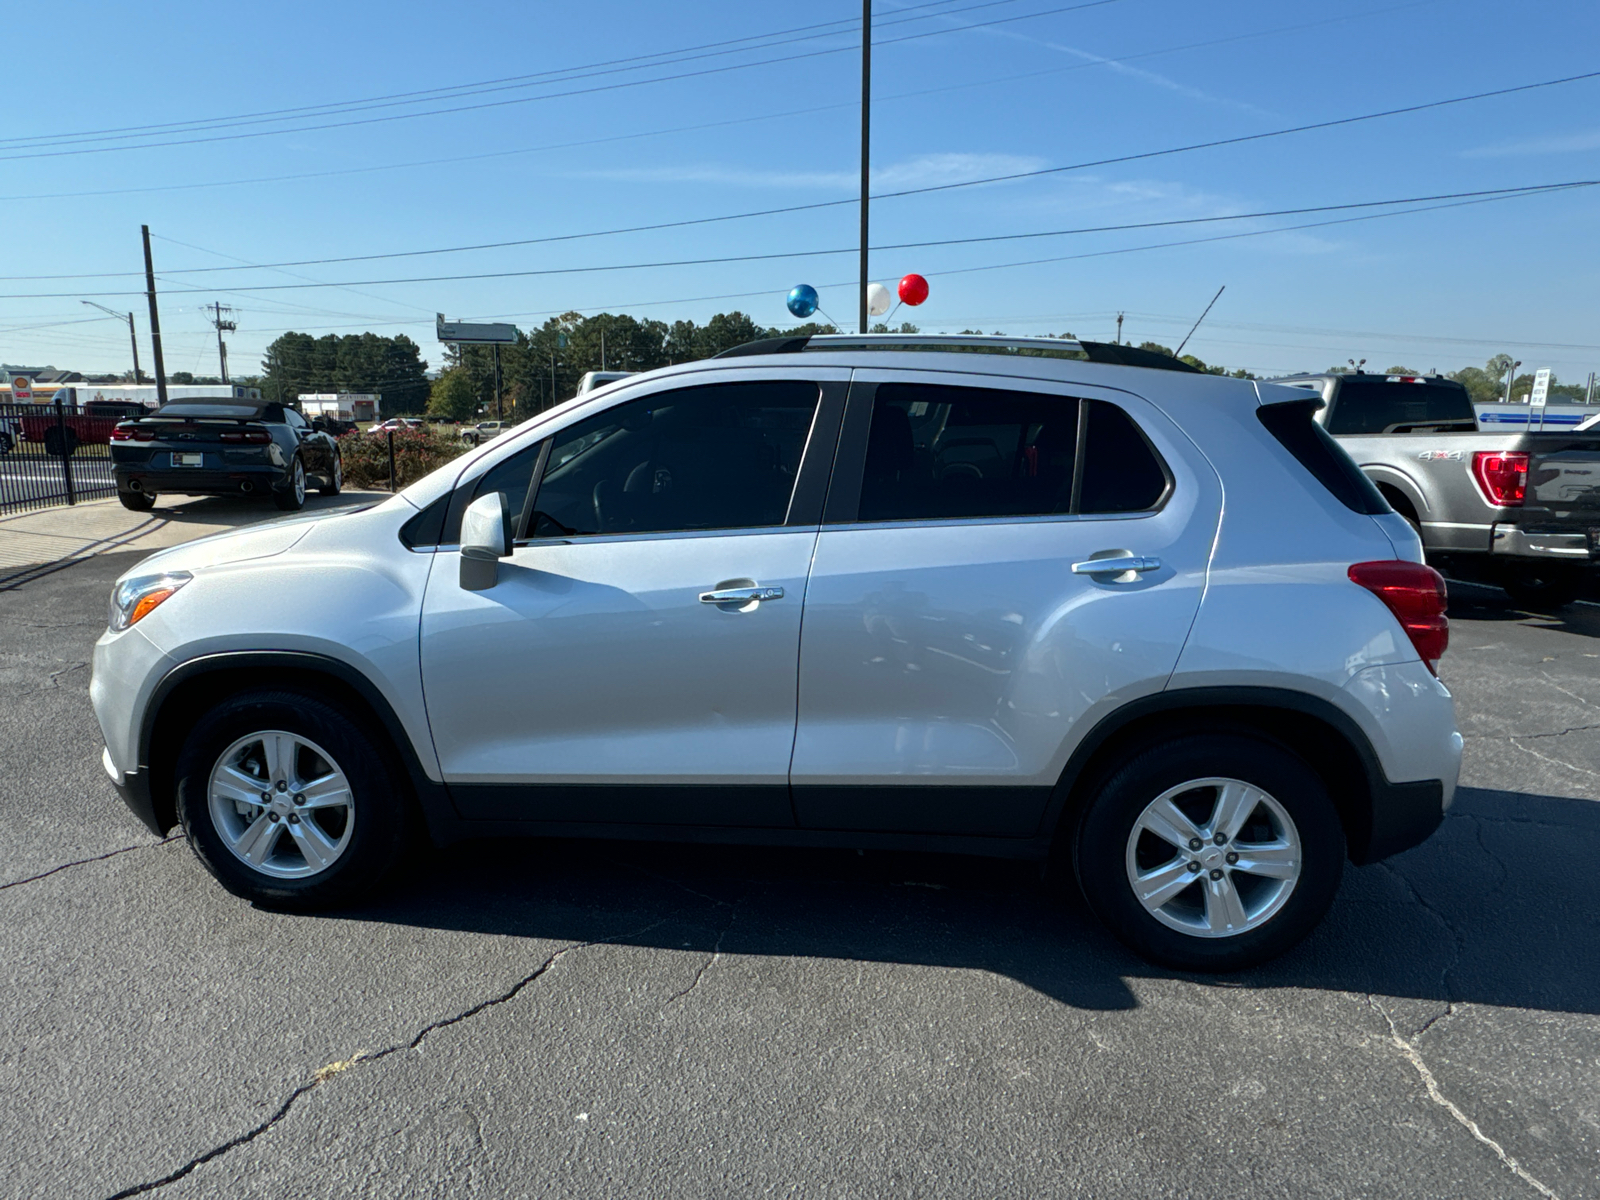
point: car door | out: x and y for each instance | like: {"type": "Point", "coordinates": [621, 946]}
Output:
{"type": "Point", "coordinates": [955, 644]}
{"type": "Point", "coordinates": [313, 448]}
{"type": "Point", "coordinates": [636, 660]}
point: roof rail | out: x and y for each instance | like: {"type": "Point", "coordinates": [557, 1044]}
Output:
{"type": "Point", "coordinates": [1100, 352]}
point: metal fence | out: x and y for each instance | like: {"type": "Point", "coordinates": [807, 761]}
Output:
{"type": "Point", "coordinates": [53, 454]}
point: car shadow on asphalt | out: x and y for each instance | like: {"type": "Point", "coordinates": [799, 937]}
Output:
{"type": "Point", "coordinates": [1475, 602]}
{"type": "Point", "coordinates": [1498, 907]}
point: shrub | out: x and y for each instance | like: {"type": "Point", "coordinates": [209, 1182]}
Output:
{"type": "Point", "coordinates": [416, 453]}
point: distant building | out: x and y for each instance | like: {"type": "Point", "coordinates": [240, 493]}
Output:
{"type": "Point", "coordinates": [343, 406]}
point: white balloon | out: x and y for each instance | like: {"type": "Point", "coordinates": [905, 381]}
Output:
{"type": "Point", "coordinates": [878, 299]}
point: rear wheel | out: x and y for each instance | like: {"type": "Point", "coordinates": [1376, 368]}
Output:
{"type": "Point", "coordinates": [1541, 587]}
{"type": "Point", "coordinates": [137, 501]}
{"type": "Point", "coordinates": [1211, 853]}
{"type": "Point", "coordinates": [335, 477]}
{"type": "Point", "coordinates": [292, 497]}
{"type": "Point", "coordinates": [287, 800]}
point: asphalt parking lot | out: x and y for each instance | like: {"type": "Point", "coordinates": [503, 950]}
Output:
{"type": "Point", "coordinates": [554, 1019]}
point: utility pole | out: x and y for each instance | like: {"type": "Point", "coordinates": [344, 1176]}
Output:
{"type": "Point", "coordinates": [498, 415]}
{"type": "Point", "coordinates": [1119, 329]}
{"type": "Point", "coordinates": [155, 319]}
{"type": "Point", "coordinates": [866, 142]}
{"type": "Point", "coordinates": [133, 340]}
{"type": "Point", "coordinates": [602, 349]}
{"type": "Point", "coordinates": [230, 325]}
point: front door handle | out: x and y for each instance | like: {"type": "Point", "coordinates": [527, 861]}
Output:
{"type": "Point", "coordinates": [741, 595]}
{"type": "Point", "coordinates": [1116, 566]}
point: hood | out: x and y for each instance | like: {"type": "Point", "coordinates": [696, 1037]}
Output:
{"type": "Point", "coordinates": [236, 545]}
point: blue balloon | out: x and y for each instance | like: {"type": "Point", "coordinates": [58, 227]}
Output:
{"type": "Point", "coordinates": [803, 300]}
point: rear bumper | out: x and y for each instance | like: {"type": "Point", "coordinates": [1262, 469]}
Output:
{"type": "Point", "coordinates": [233, 480]}
{"type": "Point", "coordinates": [1568, 545]}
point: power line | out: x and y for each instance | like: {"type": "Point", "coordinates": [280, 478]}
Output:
{"type": "Point", "coordinates": [557, 95]}
{"type": "Point", "coordinates": [821, 204]}
{"type": "Point", "coordinates": [1495, 193]}
{"type": "Point", "coordinates": [798, 112]}
{"type": "Point", "coordinates": [847, 25]}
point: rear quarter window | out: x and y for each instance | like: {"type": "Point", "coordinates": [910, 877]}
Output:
{"type": "Point", "coordinates": [1314, 448]}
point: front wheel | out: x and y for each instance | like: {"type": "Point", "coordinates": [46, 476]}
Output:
{"type": "Point", "coordinates": [292, 497]}
{"type": "Point", "coordinates": [286, 799]}
{"type": "Point", "coordinates": [335, 477]}
{"type": "Point", "coordinates": [1211, 853]}
{"type": "Point", "coordinates": [1542, 587]}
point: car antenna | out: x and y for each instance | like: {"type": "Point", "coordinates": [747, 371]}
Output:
{"type": "Point", "coordinates": [1196, 325]}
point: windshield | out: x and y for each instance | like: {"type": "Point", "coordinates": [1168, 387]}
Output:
{"type": "Point", "coordinates": [1374, 405]}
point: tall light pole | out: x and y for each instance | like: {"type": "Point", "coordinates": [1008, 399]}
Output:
{"type": "Point", "coordinates": [866, 142]}
{"type": "Point", "coordinates": [132, 340]}
{"type": "Point", "coordinates": [1511, 375]}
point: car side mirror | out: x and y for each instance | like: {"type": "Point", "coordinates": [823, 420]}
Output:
{"type": "Point", "coordinates": [485, 539]}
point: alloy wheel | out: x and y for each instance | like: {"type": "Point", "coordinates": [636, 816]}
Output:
{"type": "Point", "coordinates": [1213, 858]}
{"type": "Point", "coordinates": [281, 804]}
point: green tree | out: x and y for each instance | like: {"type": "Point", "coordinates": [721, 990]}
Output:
{"type": "Point", "coordinates": [391, 367]}
{"type": "Point", "coordinates": [453, 396]}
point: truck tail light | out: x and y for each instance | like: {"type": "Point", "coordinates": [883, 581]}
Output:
{"type": "Point", "coordinates": [1416, 595]}
{"type": "Point", "coordinates": [1503, 476]}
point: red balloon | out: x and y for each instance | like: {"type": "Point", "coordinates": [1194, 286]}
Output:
{"type": "Point", "coordinates": [913, 290]}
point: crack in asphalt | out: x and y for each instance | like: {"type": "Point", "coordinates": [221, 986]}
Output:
{"type": "Point", "coordinates": [1514, 737]}
{"type": "Point", "coordinates": [1450, 1011]}
{"type": "Point", "coordinates": [1439, 1098]}
{"type": "Point", "coordinates": [716, 953]}
{"type": "Point", "coordinates": [83, 862]}
{"type": "Point", "coordinates": [1455, 934]}
{"type": "Point", "coordinates": [361, 1058]}
{"type": "Point", "coordinates": [1554, 762]}
{"type": "Point", "coordinates": [55, 675]}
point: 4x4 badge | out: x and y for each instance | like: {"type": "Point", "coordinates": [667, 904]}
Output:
{"type": "Point", "coordinates": [1439, 456]}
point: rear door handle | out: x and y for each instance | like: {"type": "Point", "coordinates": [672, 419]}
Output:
{"type": "Point", "coordinates": [741, 595]}
{"type": "Point", "coordinates": [1115, 566]}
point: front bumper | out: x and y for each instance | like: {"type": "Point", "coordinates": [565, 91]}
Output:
{"type": "Point", "coordinates": [1567, 545]}
{"type": "Point", "coordinates": [134, 789]}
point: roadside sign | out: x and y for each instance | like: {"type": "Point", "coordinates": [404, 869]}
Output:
{"type": "Point", "coordinates": [21, 389]}
{"type": "Point", "coordinates": [1541, 387]}
{"type": "Point", "coordinates": [468, 334]}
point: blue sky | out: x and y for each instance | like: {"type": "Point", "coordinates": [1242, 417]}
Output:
{"type": "Point", "coordinates": [1045, 88]}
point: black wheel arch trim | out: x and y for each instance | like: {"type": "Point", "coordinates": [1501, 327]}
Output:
{"type": "Point", "coordinates": [150, 795]}
{"type": "Point", "coordinates": [1388, 818]}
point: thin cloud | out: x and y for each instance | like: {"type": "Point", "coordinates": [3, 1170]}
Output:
{"type": "Point", "coordinates": [1558, 143]}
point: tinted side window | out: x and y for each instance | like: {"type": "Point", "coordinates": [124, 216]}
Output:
{"type": "Point", "coordinates": [720, 456]}
{"type": "Point", "coordinates": [943, 452]}
{"type": "Point", "coordinates": [1295, 426]}
{"type": "Point", "coordinates": [510, 475]}
{"type": "Point", "coordinates": [1121, 473]}
{"type": "Point", "coordinates": [294, 419]}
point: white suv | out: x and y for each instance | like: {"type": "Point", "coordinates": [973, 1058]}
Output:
{"type": "Point", "coordinates": [851, 591]}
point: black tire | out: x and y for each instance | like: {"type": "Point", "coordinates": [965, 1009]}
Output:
{"type": "Point", "coordinates": [378, 814]}
{"type": "Point", "coordinates": [137, 501]}
{"type": "Point", "coordinates": [1101, 848]}
{"type": "Point", "coordinates": [291, 497]}
{"type": "Point", "coordinates": [335, 477]}
{"type": "Point", "coordinates": [6, 442]}
{"type": "Point", "coordinates": [1542, 588]}
{"type": "Point", "coordinates": [60, 443]}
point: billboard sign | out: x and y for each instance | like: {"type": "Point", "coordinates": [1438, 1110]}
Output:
{"type": "Point", "coordinates": [467, 334]}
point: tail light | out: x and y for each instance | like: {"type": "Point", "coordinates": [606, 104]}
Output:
{"type": "Point", "coordinates": [1416, 595]}
{"type": "Point", "coordinates": [1503, 476]}
{"type": "Point", "coordinates": [248, 435]}
{"type": "Point", "coordinates": [121, 434]}
{"type": "Point", "coordinates": [132, 433]}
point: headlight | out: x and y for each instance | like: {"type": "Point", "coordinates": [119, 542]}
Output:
{"type": "Point", "coordinates": [134, 599]}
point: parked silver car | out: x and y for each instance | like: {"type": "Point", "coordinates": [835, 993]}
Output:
{"type": "Point", "coordinates": [844, 592]}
